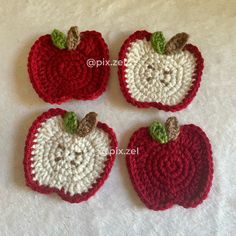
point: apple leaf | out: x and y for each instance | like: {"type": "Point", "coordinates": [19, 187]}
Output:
{"type": "Point", "coordinates": [158, 42]}
{"type": "Point", "coordinates": [70, 122]}
{"type": "Point", "coordinates": [158, 132]}
{"type": "Point", "coordinates": [58, 39]}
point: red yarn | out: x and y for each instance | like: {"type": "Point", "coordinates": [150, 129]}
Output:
{"type": "Point", "coordinates": [140, 35]}
{"type": "Point", "coordinates": [179, 172]}
{"type": "Point", "coordinates": [46, 190]}
{"type": "Point", "coordinates": [59, 75]}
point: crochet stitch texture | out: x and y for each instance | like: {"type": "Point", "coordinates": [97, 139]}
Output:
{"type": "Point", "coordinates": [148, 79]}
{"type": "Point", "coordinates": [72, 166]}
{"type": "Point", "coordinates": [178, 172]}
{"type": "Point", "coordinates": [58, 75]}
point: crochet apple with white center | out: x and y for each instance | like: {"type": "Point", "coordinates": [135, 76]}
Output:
{"type": "Point", "coordinates": [67, 156]}
{"type": "Point", "coordinates": [160, 74]}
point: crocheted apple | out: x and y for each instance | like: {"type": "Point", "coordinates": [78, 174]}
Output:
{"type": "Point", "coordinates": [160, 74]}
{"type": "Point", "coordinates": [69, 157]}
{"type": "Point", "coordinates": [58, 69]}
{"type": "Point", "coordinates": [173, 165]}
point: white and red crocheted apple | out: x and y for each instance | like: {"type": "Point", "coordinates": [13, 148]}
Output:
{"type": "Point", "coordinates": [68, 157]}
{"type": "Point", "coordinates": [159, 74]}
{"type": "Point", "coordinates": [59, 70]}
{"type": "Point", "coordinates": [173, 165]}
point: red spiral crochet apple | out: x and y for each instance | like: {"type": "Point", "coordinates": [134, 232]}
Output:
{"type": "Point", "coordinates": [173, 165]}
{"type": "Point", "coordinates": [69, 157]}
{"type": "Point", "coordinates": [59, 70]}
{"type": "Point", "coordinates": [160, 74]}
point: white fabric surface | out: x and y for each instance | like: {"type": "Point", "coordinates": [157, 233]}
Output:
{"type": "Point", "coordinates": [116, 209]}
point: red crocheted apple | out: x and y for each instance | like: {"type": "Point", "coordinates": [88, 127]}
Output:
{"type": "Point", "coordinates": [173, 165]}
{"type": "Point", "coordinates": [160, 74]}
{"type": "Point", "coordinates": [69, 157]}
{"type": "Point", "coordinates": [58, 69]}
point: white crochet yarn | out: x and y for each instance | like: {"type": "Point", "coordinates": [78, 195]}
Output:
{"type": "Point", "coordinates": [62, 160]}
{"type": "Point", "coordinates": [152, 77]}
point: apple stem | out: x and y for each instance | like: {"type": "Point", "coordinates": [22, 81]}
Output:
{"type": "Point", "coordinates": [172, 128]}
{"type": "Point", "coordinates": [87, 124]}
{"type": "Point", "coordinates": [73, 38]}
{"type": "Point", "coordinates": [176, 43]}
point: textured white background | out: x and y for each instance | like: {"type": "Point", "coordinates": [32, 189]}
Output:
{"type": "Point", "coordinates": [116, 209]}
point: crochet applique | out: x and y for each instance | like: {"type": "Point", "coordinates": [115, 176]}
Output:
{"type": "Point", "coordinates": [58, 66]}
{"type": "Point", "coordinates": [160, 74]}
{"type": "Point", "coordinates": [176, 171]}
{"type": "Point", "coordinates": [58, 159]}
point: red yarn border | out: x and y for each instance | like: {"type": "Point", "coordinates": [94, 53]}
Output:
{"type": "Point", "coordinates": [186, 204]}
{"type": "Point", "coordinates": [191, 94]}
{"type": "Point", "coordinates": [47, 190]}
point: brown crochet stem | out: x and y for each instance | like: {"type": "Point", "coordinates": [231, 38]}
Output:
{"type": "Point", "coordinates": [87, 124]}
{"type": "Point", "coordinates": [73, 38]}
{"type": "Point", "coordinates": [176, 43]}
{"type": "Point", "coordinates": [172, 128]}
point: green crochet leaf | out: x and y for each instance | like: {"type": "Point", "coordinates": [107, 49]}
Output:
{"type": "Point", "coordinates": [158, 42]}
{"type": "Point", "coordinates": [70, 122]}
{"type": "Point", "coordinates": [58, 39]}
{"type": "Point", "coordinates": [158, 132]}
